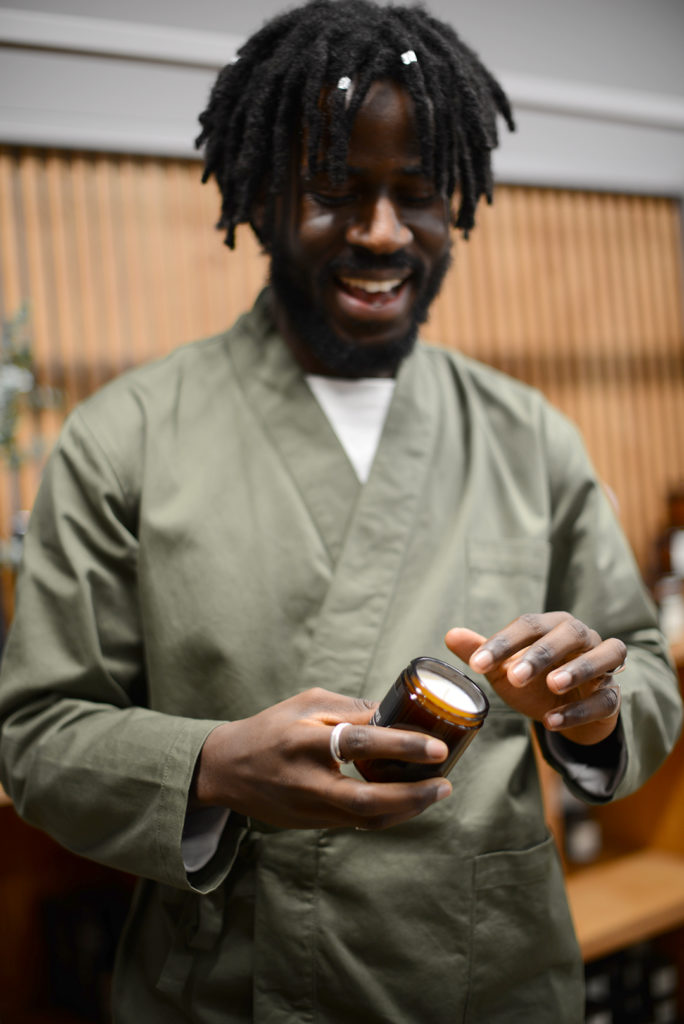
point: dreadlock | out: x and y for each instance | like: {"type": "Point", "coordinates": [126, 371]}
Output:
{"type": "Point", "coordinates": [270, 96]}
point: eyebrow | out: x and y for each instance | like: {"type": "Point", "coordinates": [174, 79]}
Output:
{"type": "Point", "coordinates": [415, 170]}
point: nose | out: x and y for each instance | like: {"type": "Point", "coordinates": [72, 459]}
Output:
{"type": "Point", "coordinates": [379, 228]}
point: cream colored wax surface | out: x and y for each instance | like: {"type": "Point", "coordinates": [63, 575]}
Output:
{"type": "Point", "coordinates": [446, 691]}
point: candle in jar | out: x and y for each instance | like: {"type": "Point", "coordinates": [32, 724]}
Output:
{"type": "Point", "coordinates": [432, 697]}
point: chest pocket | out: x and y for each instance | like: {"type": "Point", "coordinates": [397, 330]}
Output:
{"type": "Point", "coordinates": [506, 578]}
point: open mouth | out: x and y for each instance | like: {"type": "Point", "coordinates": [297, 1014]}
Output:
{"type": "Point", "coordinates": [373, 292]}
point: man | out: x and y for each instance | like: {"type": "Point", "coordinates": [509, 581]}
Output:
{"type": "Point", "coordinates": [213, 583]}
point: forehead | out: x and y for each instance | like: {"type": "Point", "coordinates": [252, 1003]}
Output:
{"type": "Point", "coordinates": [384, 130]}
{"type": "Point", "coordinates": [385, 126]}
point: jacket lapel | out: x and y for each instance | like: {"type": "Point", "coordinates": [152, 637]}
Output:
{"type": "Point", "coordinates": [365, 530]}
{"type": "Point", "coordinates": [370, 565]}
{"type": "Point", "coordinates": [297, 427]}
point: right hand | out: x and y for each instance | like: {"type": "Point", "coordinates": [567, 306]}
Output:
{"type": "Point", "coordinates": [276, 766]}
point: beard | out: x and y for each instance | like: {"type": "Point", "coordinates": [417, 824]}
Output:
{"type": "Point", "coordinates": [339, 355]}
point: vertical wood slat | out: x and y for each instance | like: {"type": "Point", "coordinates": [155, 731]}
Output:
{"type": "Point", "coordinates": [10, 259]}
{"type": "Point", "coordinates": [11, 295]}
{"type": "Point", "coordinates": [65, 286]}
{"type": "Point", "coordinates": [34, 216]}
{"type": "Point", "coordinates": [649, 358]}
{"type": "Point", "coordinates": [86, 267]}
{"type": "Point", "coordinates": [577, 293]}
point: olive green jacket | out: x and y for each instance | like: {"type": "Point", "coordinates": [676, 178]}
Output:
{"type": "Point", "coordinates": [200, 549]}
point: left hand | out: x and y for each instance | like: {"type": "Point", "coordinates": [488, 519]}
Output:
{"type": "Point", "coordinates": [552, 668]}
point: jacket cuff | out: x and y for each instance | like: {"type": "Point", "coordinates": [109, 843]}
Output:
{"type": "Point", "coordinates": [591, 772]}
{"type": "Point", "coordinates": [213, 873]}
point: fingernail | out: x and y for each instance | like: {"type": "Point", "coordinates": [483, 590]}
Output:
{"type": "Point", "coordinates": [443, 790]}
{"type": "Point", "coordinates": [561, 680]}
{"type": "Point", "coordinates": [482, 660]}
{"type": "Point", "coordinates": [554, 720]}
{"type": "Point", "coordinates": [435, 749]}
{"type": "Point", "coordinates": [521, 672]}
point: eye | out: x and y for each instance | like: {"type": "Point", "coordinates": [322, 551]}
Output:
{"type": "Point", "coordinates": [418, 198]}
{"type": "Point", "coordinates": [330, 199]}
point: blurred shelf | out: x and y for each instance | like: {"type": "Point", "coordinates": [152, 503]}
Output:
{"type": "Point", "coordinates": [677, 651]}
{"type": "Point", "coordinates": [626, 900]}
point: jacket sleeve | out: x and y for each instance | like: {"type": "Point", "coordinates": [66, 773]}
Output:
{"type": "Point", "coordinates": [81, 755]}
{"type": "Point", "coordinates": [594, 575]}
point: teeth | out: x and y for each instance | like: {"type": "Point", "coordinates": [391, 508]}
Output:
{"type": "Point", "coordinates": [371, 286]}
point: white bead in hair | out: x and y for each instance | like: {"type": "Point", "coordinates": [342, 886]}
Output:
{"type": "Point", "coordinates": [344, 83]}
{"type": "Point", "coordinates": [409, 57]}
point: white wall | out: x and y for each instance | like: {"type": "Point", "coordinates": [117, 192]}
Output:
{"type": "Point", "coordinates": [598, 85]}
{"type": "Point", "coordinates": [630, 44]}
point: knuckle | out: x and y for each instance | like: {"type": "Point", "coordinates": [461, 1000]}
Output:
{"type": "Point", "coordinates": [499, 646]}
{"type": "Point", "coordinates": [316, 695]}
{"type": "Point", "coordinates": [583, 669]}
{"type": "Point", "coordinates": [354, 741]}
{"type": "Point", "coordinates": [581, 632]}
{"type": "Point", "coordinates": [361, 704]}
{"type": "Point", "coordinates": [541, 654]}
{"type": "Point", "coordinates": [533, 623]}
{"type": "Point", "coordinates": [594, 638]}
{"type": "Point", "coordinates": [361, 803]}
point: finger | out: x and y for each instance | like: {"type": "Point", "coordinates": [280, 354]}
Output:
{"type": "Point", "coordinates": [607, 657]}
{"type": "Point", "coordinates": [600, 705]}
{"type": "Point", "coordinates": [368, 805]}
{"type": "Point", "coordinates": [363, 742]}
{"type": "Point", "coordinates": [463, 642]}
{"type": "Point", "coordinates": [514, 637]}
{"type": "Point", "coordinates": [555, 642]}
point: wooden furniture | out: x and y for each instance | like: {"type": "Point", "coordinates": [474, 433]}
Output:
{"type": "Point", "coordinates": [635, 891]}
{"type": "Point", "coordinates": [620, 902]}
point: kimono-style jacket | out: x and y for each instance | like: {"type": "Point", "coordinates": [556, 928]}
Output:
{"type": "Point", "coordinates": [201, 549]}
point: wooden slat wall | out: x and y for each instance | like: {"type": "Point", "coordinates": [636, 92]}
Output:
{"type": "Point", "coordinates": [578, 293]}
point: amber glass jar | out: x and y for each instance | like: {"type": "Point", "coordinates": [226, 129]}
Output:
{"type": "Point", "coordinates": [433, 697]}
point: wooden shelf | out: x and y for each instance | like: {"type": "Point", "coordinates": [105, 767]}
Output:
{"type": "Point", "coordinates": [626, 900]}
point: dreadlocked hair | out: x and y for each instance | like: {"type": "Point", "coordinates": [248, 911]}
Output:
{"type": "Point", "coordinates": [270, 97]}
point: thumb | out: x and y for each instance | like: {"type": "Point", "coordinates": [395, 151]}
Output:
{"type": "Point", "coordinates": [463, 642]}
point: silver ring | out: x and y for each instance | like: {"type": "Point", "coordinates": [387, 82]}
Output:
{"type": "Point", "coordinates": [335, 752]}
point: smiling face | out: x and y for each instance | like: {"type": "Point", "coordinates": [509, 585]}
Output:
{"type": "Point", "coordinates": [355, 267]}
